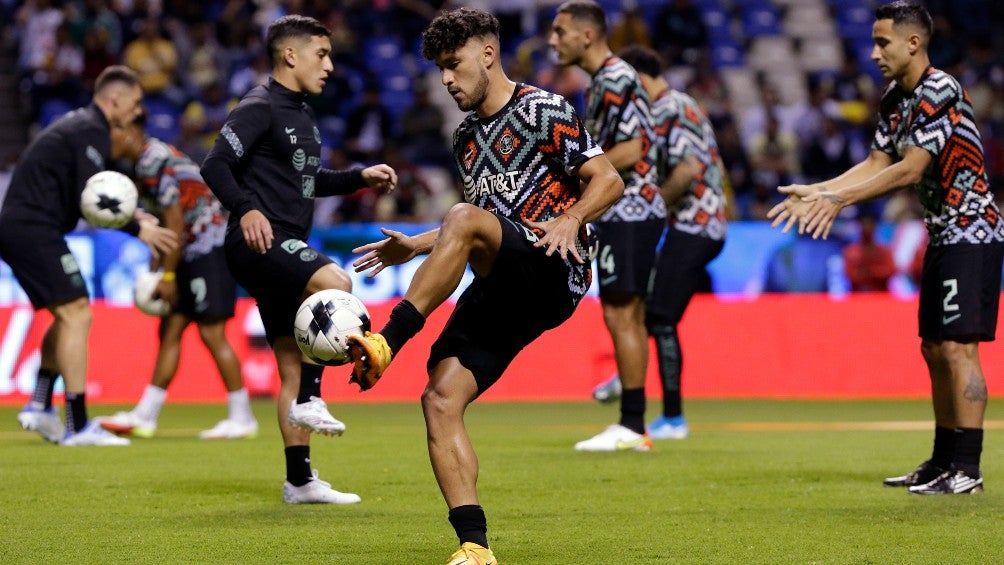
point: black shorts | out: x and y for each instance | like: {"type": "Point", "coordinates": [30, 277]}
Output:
{"type": "Point", "coordinates": [206, 289]}
{"type": "Point", "coordinates": [276, 279]}
{"type": "Point", "coordinates": [525, 294]}
{"type": "Point", "coordinates": [680, 272]}
{"type": "Point", "coordinates": [960, 289]}
{"type": "Point", "coordinates": [42, 262]}
{"type": "Point", "coordinates": [627, 256]}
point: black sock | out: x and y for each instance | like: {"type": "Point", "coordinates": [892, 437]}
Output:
{"type": "Point", "coordinates": [76, 412]}
{"type": "Point", "coordinates": [310, 382]}
{"type": "Point", "coordinates": [298, 465]}
{"type": "Point", "coordinates": [667, 346]}
{"type": "Point", "coordinates": [405, 321]}
{"type": "Point", "coordinates": [633, 409]}
{"type": "Point", "coordinates": [470, 523]}
{"type": "Point", "coordinates": [44, 385]}
{"type": "Point", "coordinates": [968, 448]}
{"type": "Point", "coordinates": [944, 447]}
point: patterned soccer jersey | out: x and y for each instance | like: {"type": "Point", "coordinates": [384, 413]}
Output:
{"type": "Point", "coordinates": [519, 164]}
{"type": "Point", "coordinates": [937, 116]}
{"type": "Point", "coordinates": [682, 129]}
{"type": "Point", "coordinates": [168, 176]}
{"type": "Point", "coordinates": [619, 111]}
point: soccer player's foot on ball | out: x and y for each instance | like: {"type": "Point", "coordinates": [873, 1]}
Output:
{"type": "Point", "coordinates": [45, 422]}
{"type": "Point", "coordinates": [316, 491]}
{"type": "Point", "coordinates": [923, 474]}
{"type": "Point", "coordinates": [609, 390]}
{"type": "Point", "coordinates": [955, 481]}
{"type": "Point", "coordinates": [128, 424]}
{"type": "Point", "coordinates": [472, 554]}
{"type": "Point", "coordinates": [232, 429]}
{"type": "Point", "coordinates": [314, 416]}
{"type": "Point", "coordinates": [93, 434]}
{"type": "Point", "coordinates": [616, 438]}
{"type": "Point", "coordinates": [371, 355]}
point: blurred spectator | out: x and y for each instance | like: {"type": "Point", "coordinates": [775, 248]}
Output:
{"type": "Point", "coordinates": [774, 155]}
{"type": "Point", "coordinates": [97, 14]}
{"type": "Point", "coordinates": [253, 73]}
{"type": "Point", "coordinates": [36, 23]}
{"type": "Point", "coordinates": [205, 63]}
{"type": "Point", "coordinates": [854, 90]}
{"type": "Point", "coordinates": [903, 205]}
{"type": "Point", "coordinates": [406, 202]}
{"type": "Point", "coordinates": [97, 56]}
{"type": "Point", "coordinates": [59, 77]}
{"type": "Point", "coordinates": [629, 28]}
{"type": "Point", "coordinates": [422, 139]}
{"type": "Point", "coordinates": [368, 127]}
{"type": "Point", "coordinates": [706, 87]}
{"type": "Point", "coordinates": [203, 117]}
{"type": "Point", "coordinates": [679, 32]}
{"type": "Point", "coordinates": [567, 81]}
{"type": "Point", "coordinates": [737, 165]}
{"type": "Point", "coordinates": [828, 153]}
{"type": "Point", "coordinates": [155, 60]}
{"type": "Point", "coordinates": [868, 264]}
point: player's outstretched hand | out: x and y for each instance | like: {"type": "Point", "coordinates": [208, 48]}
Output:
{"type": "Point", "coordinates": [822, 211]}
{"type": "Point", "coordinates": [257, 231]}
{"type": "Point", "coordinates": [790, 210]}
{"type": "Point", "coordinates": [161, 241]}
{"type": "Point", "coordinates": [380, 176]}
{"type": "Point", "coordinates": [396, 249]}
{"type": "Point", "coordinates": [560, 234]}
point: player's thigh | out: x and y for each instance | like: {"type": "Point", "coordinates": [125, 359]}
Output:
{"type": "Point", "coordinates": [206, 289]}
{"type": "Point", "coordinates": [42, 263]}
{"type": "Point", "coordinates": [960, 292]}
{"type": "Point", "coordinates": [680, 272]}
{"type": "Point", "coordinates": [626, 256]}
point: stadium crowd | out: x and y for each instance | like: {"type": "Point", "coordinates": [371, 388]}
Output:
{"type": "Point", "coordinates": [381, 104]}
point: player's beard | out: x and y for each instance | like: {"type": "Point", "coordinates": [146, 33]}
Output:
{"type": "Point", "coordinates": [478, 95]}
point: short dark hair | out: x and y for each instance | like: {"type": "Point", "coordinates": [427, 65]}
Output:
{"type": "Point", "coordinates": [120, 74]}
{"type": "Point", "coordinates": [643, 59]}
{"type": "Point", "coordinates": [587, 10]}
{"type": "Point", "coordinates": [910, 13]}
{"type": "Point", "coordinates": [451, 30]}
{"type": "Point", "coordinates": [291, 26]}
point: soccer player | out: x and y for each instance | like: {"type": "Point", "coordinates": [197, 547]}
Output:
{"type": "Point", "coordinates": [926, 138]}
{"type": "Point", "coordinates": [692, 189]}
{"type": "Point", "coordinates": [42, 205]}
{"type": "Point", "coordinates": [522, 153]}
{"type": "Point", "coordinates": [266, 169]}
{"type": "Point", "coordinates": [195, 281]}
{"type": "Point", "coordinates": [620, 121]}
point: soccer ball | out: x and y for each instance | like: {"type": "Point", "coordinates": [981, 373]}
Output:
{"type": "Point", "coordinates": [146, 285]}
{"type": "Point", "coordinates": [108, 200]}
{"type": "Point", "coordinates": [324, 322]}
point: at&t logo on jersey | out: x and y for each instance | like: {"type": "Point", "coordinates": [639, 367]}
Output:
{"type": "Point", "coordinates": [504, 183]}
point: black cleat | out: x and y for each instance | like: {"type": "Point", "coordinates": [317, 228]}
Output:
{"type": "Point", "coordinates": [923, 474]}
{"type": "Point", "coordinates": [951, 482]}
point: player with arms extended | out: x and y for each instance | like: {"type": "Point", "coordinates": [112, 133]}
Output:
{"type": "Point", "coordinates": [266, 169]}
{"type": "Point", "coordinates": [196, 282]}
{"type": "Point", "coordinates": [522, 153]}
{"type": "Point", "coordinates": [43, 205]}
{"type": "Point", "coordinates": [926, 138]}
{"type": "Point", "coordinates": [621, 122]}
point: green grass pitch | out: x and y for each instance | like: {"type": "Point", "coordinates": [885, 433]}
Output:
{"type": "Point", "coordinates": [757, 482]}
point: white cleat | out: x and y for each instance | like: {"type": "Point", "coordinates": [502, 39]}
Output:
{"type": "Point", "coordinates": [314, 416]}
{"type": "Point", "coordinates": [231, 429]}
{"type": "Point", "coordinates": [316, 491]}
{"type": "Point", "coordinates": [45, 422]}
{"type": "Point", "coordinates": [616, 438]}
{"type": "Point", "coordinates": [93, 434]}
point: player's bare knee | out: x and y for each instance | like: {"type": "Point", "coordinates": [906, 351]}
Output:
{"type": "Point", "coordinates": [76, 313]}
{"type": "Point", "coordinates": [329, 276]}
{"type": "Point", "coordinates": [437, 403]}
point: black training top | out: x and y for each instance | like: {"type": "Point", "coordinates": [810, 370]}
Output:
{"type": "Point", "coordinates": [51, 174]}
{"type": "Point", "coordinates": [268, 158]}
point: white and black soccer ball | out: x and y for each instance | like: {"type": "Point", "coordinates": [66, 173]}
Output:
{"type": "Point", "coordinates": [146, 285]}
{"type": "Point", "coordinates": [324, 322]}
{"type": "Point", "coordinates": [108, 200]}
